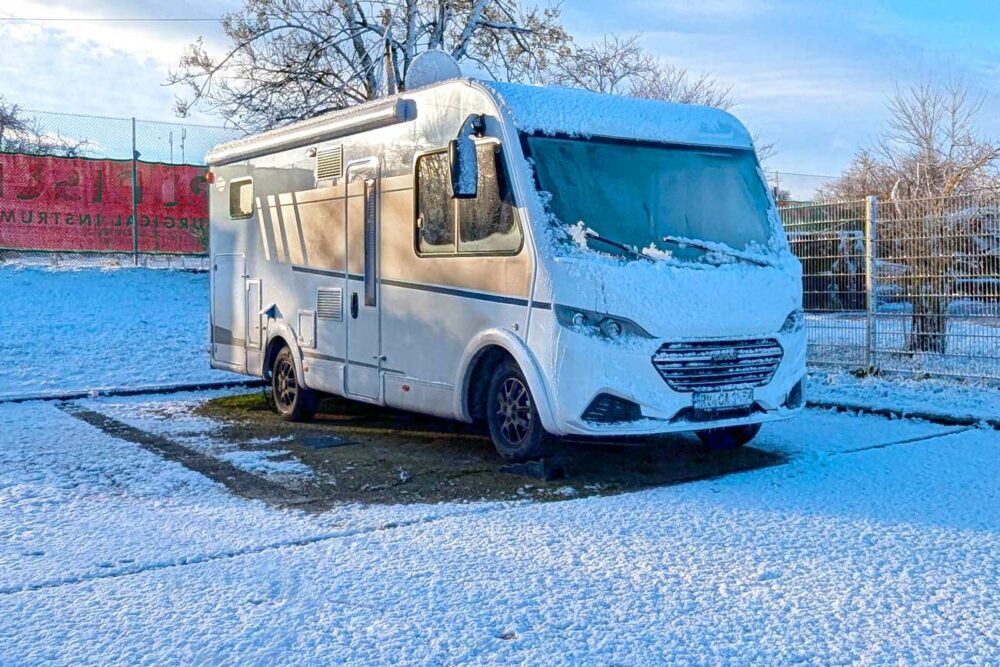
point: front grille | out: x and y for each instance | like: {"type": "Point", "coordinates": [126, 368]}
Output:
{"type": "Point", "coordinates": [718, 364]}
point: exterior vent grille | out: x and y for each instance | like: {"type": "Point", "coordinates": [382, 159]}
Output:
{"type": "Point", "coordinates": [330, 304]}
{"type": "Point", "coordinates": [608, 409]}
{"type": "Point", "coordinates": [717, 365]}
{"type": "Point", "coordinates": [330, 163]}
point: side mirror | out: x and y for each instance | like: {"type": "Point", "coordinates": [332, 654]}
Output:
{"type": "Point", "coordinates": [463, 161]}
{"type": "Point", "coordinates": [464, 168]}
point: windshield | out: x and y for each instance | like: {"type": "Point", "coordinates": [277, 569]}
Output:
{"type": "Point", "coordinates": [639, 195]}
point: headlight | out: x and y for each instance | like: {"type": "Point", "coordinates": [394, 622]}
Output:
{"type": "Point", "coordinates": [794, 322]}
{"type": "Point", "coordinates": [608, 326]}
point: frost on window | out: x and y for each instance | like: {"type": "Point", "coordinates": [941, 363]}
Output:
{"type": "Point", "coordinates": [648, 196]}
{"type": "Point", "coordinates": [435, 207]}
{"type": "Point", "coordinates": [487, 223]}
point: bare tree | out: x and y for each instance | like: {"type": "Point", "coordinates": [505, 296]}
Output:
{"type": "Point", "coordinates": [622, 66]}
{"type": "Point", "coordinates": [293, 59]}
{"type": "Point", "coordinates": [613, 65]}
{"type": "Point", "coordinates": [22, 133]}
{"type": "Point", "coordinates": [930, 152]}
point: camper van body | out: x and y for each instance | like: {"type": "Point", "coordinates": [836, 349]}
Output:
{"type": "Point", "coordinates": [330, 238]}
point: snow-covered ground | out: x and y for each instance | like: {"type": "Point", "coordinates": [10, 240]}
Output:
{"type": "Point", "coordinates": [66, 330]}
{"type": "Point", "coordinates": [940, 398]}
{"type": "Point", "coordinates": [878, 543]}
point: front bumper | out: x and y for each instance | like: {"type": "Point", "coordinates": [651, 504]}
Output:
{"type": "Point", "coordinates": [586, 367]}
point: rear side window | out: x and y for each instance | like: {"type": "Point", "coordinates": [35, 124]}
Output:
{"type": "Point", "coordinates": [435, 207]}
{"type": "Point", "coordinates": [484, 225]}
{"type": "Point", "coordinates": [241, 199]}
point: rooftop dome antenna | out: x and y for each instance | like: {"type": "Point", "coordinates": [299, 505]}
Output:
{"type": "Point", "coordinates": [431, 67]}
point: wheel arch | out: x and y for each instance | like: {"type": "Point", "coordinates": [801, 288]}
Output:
{"type": "Point", "coordinates": [480, 351]}
{"type": "Point", "coordinates": [280, 335]}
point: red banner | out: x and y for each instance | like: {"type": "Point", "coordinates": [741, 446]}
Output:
{"type": "Point", "coordinates": [57, 203]}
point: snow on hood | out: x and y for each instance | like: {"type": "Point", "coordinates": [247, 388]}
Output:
{"type": "Point", "coordinates": [551, 110]}
{"type": "Point", "coordinates": [678, 301]}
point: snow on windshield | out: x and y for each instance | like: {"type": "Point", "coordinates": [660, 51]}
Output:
{"type": "Point", "coordinates": [674, 201]}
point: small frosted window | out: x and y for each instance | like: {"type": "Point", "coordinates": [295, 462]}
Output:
{"type": "Point", "coordinates": [241, 199]}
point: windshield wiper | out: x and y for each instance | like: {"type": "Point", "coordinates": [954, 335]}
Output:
{"type": "Point", "coordinates": [716, 247]}
{"type": "Point", "coordinates": [591, 234]}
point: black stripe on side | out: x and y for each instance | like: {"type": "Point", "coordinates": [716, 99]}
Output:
{"type": "Point", "coordinates": [452, 291]}
{"type": "Point", "coordinates": [327, 357]}
{"type": "Point", "coordinates": [323, 357]}
{"type": "Point", "coordinates": [327, 272]}
{"type": "Point", "coordinates": [437, 289]}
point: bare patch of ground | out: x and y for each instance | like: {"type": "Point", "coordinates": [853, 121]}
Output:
{"type": "Point", "coordinates": [367, 454]}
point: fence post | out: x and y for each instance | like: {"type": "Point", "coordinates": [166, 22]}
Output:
{"type": "Point", "coordinates": [871, 225]}
{"type": "Point", "coordinates": [135, 198]}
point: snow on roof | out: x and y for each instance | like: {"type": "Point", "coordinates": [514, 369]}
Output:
{"type": "Point", "coordinates": [552, 110]}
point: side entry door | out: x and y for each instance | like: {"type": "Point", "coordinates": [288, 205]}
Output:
{"type": "Point", "coordinates": [364, 322]}
{"type": "Point", "coordinates": [228, 309]}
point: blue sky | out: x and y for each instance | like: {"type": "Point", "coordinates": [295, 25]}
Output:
{"type": "Point", "coordinates": [809, 75]}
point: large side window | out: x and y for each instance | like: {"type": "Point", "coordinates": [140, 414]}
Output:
{"type": "Point", "coordinates": [435, 208]}
{"type": "Point", "coordinates": [241, 199]}
{"type": "Point", "coordinates": [488, 223]}
{"type": "Point", "coordinates": [484, 225]}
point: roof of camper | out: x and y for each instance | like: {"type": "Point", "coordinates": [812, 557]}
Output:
{"type": "Point", "coordinates": [557, 110]}
{"type": "Point", "coordinates": [549, 110]}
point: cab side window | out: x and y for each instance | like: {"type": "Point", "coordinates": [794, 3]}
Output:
{"type": "Point", "coordinates": [484, 225]}
{"type": "Point", "coordinates": [435, 208]}
{"type": "Point", "coordinates": [488, 223]}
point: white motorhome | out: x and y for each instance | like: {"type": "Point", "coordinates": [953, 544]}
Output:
{"type": "Point", "coordinates": [551, 261]}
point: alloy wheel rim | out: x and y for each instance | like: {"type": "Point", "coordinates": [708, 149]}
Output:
{"type": "Point", "coordinates": [285, 385]}
{"type": "Point", "coordinates": [514, 409]}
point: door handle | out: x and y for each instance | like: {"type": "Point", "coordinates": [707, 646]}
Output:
{"type": "Point", "coordinates": [354, 305]}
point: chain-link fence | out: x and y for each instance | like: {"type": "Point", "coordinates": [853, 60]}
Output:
{"type": "Point", "coordinates": [120, 190]}
{"type": "Point", "coordinates": [908, 286]}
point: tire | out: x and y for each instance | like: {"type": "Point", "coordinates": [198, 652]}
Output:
{"type": "Point", "coordinates": [730, 437]}
{"type": "Point", "coordinates": [515, 428]}
{"type": "Point", "coordinates": [292, 401]}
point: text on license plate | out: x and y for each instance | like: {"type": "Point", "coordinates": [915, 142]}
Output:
{"type": "Point", "coordinates": [723, 400]}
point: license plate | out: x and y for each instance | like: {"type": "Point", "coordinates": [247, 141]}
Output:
{"type": "Point", "coordinates": [723, 400]}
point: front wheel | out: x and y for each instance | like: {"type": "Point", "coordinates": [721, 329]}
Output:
{"type": "Point", "coordinates": [293, 402]}
{"type": "Point", "coordinates": [515, 427]}
{"type": "Point", "coordinates": [730, 437]}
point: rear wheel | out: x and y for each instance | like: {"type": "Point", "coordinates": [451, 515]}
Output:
{"type": "Point", "coordinates": [515, 427]}
{"type": "Point", "coordinates": [292, 401]}
{"type": "Point", "coordinates": [730, 437]}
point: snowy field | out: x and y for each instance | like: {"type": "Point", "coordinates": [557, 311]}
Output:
{"type": "Point", "coordinates": [92, 328]}
{"type": "Point", "coordinates": [876, 542]}
{"type": "Point", "coordinates": [879, 542]}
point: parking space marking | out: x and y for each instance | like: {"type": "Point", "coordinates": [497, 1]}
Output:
{"type": "Point", "coordinates": [235, 479]}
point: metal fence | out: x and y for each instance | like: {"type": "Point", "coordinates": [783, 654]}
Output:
{"type": "Point", "coordinates": [904, 286]}
{"type": "Point", "coordinates": [121, 190]}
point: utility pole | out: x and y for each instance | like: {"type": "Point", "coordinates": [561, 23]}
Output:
{"type": "Point", "coordinates": [135, 198]}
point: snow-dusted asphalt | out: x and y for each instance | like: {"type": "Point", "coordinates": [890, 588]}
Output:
{"type": "Point", "coordinates": [878, 543]}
